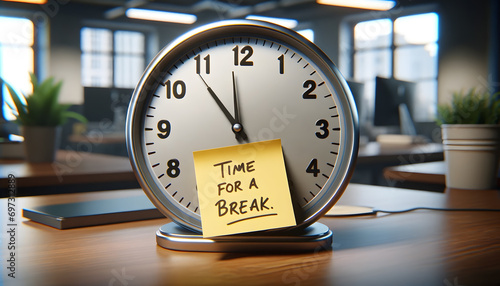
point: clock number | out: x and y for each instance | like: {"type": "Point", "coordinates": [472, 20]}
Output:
{"type": "Point", "coordinates": [247, 51]}
{"type": "Point", "coordinates": [281, 59]}
{"type": "Point", "coordinates": [313, 168]}
{"type": "Point", "coordinates": [311, 86]}
{"type": "Point", "coordinates": [198, 64]}
{"type": "Point", "coordinates": [178, 89]}
{"type": "Point", "coordinates": [323, 127]}
{"type": "Point", "coordinates": [164, 128]}
{"type": "Point", "coordinates": [173, 170]}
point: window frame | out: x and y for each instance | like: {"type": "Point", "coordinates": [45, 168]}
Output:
{"type": "Point", "coordinates": [113, 54]}
{"type": "Point", "coordinates": [40, 42]}
{"type": "Point", "coordinates": [150, 42]}
{"type": "Point", "coordinates": [347, 51]}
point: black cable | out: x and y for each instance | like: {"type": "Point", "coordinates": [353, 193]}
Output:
{"type": "Point", "coordinates": [438, 209]}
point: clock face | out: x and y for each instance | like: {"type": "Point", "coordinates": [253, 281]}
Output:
{"type": "Point", "coordinates": [238, 82]}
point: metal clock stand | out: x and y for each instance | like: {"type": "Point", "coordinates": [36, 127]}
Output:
{"type": "Point", "coordinates": [260, 66]}
{"type": "Point", "coordinates": [316, 237]}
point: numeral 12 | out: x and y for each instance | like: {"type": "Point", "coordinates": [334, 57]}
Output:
{"type": "Point", "coordinates": [247, 51]}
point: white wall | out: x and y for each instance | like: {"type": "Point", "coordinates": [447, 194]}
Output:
{"type": "Point", "coordinates": [463, 47]}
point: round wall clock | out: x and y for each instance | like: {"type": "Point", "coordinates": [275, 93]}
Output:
{"type": "Point", "coordinates": [236, 82]}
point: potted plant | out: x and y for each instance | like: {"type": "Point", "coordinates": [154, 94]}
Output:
{"type": "Point", "coordinates": [40, 116]}
{"type": "Point", "coordinates": [471, 139]}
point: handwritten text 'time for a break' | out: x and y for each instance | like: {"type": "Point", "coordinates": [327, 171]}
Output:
{"type": "Point", "coordinates": [227, 170]}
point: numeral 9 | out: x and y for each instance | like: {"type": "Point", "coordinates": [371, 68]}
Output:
{"type": "Point", "coordinates": [164, 128]}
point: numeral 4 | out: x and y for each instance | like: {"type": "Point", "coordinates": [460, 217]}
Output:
{"type": "Point", "coordinates": [312, 168]}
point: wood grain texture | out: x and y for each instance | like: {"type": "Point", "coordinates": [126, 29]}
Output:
{"type": "Point", "coordinates": [70, 167]}
{"type": "Point", "coordinates": [429, 173]}
{"type": "Point", "coordinates": [415, 248]}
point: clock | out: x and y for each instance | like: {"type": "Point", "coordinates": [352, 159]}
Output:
{"type": "Point", "coordinates": [234, 82]}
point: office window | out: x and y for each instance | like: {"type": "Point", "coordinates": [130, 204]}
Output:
{"type": "Point", "coordinates": [16, 57]}
{"type": "Point", "coordinates": [112, 58]}
{"type": "Point", "coordinates": [404, 48]}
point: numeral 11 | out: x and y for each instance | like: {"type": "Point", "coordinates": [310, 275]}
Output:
{"type": "Point", "coordinates": [198, 64]}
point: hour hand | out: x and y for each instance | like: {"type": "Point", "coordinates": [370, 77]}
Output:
{"type": "Point", "coordinates": [235, 126]}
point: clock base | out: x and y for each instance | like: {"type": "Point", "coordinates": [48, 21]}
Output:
{"type": "Point", "coordinates": [316, 237]}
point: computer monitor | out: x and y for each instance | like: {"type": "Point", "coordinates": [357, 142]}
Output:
{"type": "Point", "coordinates": [357, 90]}
{"type": "Point", "coordinates": [103, 103]}
{"type": "Point", "coordinates": [393, 104]}
{"type": "Point", "coordinates": [97, 104]}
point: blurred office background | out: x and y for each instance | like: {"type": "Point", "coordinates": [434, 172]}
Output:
{"type": "Point", "coordinates": [416, 53]}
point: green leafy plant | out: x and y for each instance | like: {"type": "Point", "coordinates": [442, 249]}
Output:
{"type": "Point", "coordinates": [471, 107]}
{"type": "Point", "coordinates": [42, 107]}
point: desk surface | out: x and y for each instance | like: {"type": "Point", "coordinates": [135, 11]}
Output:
{"type": "Point", "coordinates": [415, 248]}
{"type": "Point", "coordinates": [69, 168]}
{"type": "Point", "coordinates": [377, 153]}
{"type": "Point", "coordinates": [429, 173]}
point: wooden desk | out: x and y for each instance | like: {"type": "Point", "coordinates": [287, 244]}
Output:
{"type": "Point", "coordinates": [109, 138]}
{"type": "Point", "coordinates": [428, 176]}
{"type": "Point", "coordinates": [375, 153]}
{"type": "Point", "coordinates": [430, 172]}
{"type": "Point", "coordinates": [416, 248]}
{"type": "Point", "coordinates": [72, 171]}
{"type": "Point", "coordinates": [374, 157]}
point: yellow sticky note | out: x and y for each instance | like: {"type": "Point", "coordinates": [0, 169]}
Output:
{"type": "Point", "coordinates": [243, 188]}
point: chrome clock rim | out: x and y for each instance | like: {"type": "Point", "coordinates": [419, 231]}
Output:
{"type": "Point", "coordinates": [171, 53]}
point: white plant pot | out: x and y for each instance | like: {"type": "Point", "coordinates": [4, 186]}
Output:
{"type": "Point", "coordinates": [471, 153]}
{"type": "Point", "coordinates": [41, 143]}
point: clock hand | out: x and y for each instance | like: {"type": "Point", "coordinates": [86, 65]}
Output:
{"type": "Point", "coordinates": [235, 100]}
{"type": "Point", "coordinates": [236, 127]}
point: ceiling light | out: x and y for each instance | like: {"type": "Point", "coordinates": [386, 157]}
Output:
{"type": "Point", "coordinates": [29, 1]}
{"type": "Point", "coordinates": [289, 23]}
{"type": "Point", "coordinates": [382, 5]}
{"type": "Point", "coordinates": [162, 16]}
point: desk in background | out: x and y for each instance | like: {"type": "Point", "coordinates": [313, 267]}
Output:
{"type": "Point", "coordinates": [429, 176]}
{"type": "Point", "coordinates": [112, 143]}
{"type": "Point", "coordinates": [374, 157]}
{"type": "Point", "coordinates": [415, 248]}
{"type": "Point", "coordinates": [71, 172]}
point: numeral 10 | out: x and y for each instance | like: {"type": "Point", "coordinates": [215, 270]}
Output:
{"type": "Point", "coordinates": [178, 89]}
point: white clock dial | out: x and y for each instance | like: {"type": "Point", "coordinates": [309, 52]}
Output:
{"type": "Point", "coordinates": [223, 86]}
